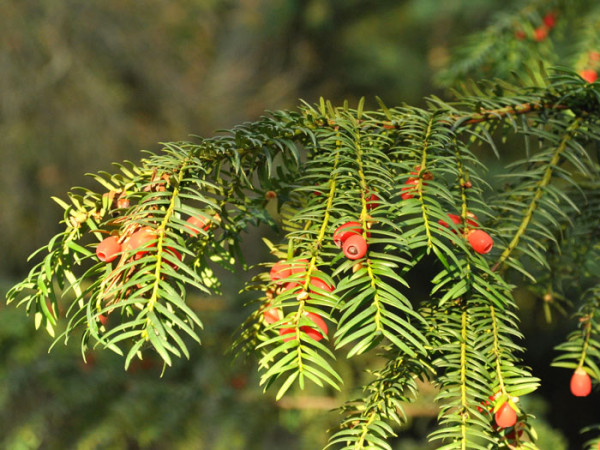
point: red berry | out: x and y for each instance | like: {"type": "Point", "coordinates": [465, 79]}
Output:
{"type": "Point", "coordinates": [312, 332]}
{"type": "Point", "coordinates": [143, 238]}
{"type": "Point", "coordinates": [298, 266]}
{"type": "Point", "coordinates": [295, 267]}
{"type": "Point", "coordinates": [108, 249]}
{"type": "Point", "coordinates": [272, 315]}
{"type": "Point", "coordinates": [453, 217]}
{"type": "Point", "coordinates": [540, 33]}
{"type": "Point", "coordinates": [581, 383]}
{"type": "Point", "coordinates": [355, 247]}
{"type": "Point", "coordinates": [317, 282]}
{"type": "Point", "coordinates": [174, 253]}
{"type": "Point", "coordinates": [481, 242]}
{"type": "Point", "coordinates": [197, 223]}
{"type": "Point", "coordinates": [516, 432]}
{"type": "Point", "coordinates": [344, 231]}
{"type": "Point", "coordinates": [408, 190]}
{"type": "Point", "coordinates": [103, 318]}
{"type": "Point", "coordinates": [550, 20]}
{"type": "Point", "coordinates": [372, 200]}
{"type": "Point", "coordinates": [280, 269]}
{"type": "Point", "coordinates": [506, 416]}
{"type": "Point", "coordinates": [520, 35]}
{"type": "Point", "coordinates": [472, 220]}
{"type": "Point", "coordinates": [589, 75]}
{"type": "Point", "coordinates": [290, 331]}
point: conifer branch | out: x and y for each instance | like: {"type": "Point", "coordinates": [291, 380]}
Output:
{"type": "Point", "coordinates": [539, 192]}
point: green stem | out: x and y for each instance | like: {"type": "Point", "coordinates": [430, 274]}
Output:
{"type": "Point", "coordinates": [159, 244]}
{"type": "Point", "coordinates": [497, 349]}
{"type": "Point", "coordinates": [364, 216]}
{"type": "Point", "coordinates": [586, 339]}
{"type": "Point", "coordinates": [420, 183]}
{"type": "Point", "coordinates": [463, 380]}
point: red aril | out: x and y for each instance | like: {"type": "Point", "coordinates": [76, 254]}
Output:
{"type": "Point", "coordinates": [407, 191]}
{"type": "Point", "coordinates": [281, 269]}
{"type": "Point", "coordinates": [550, 19]}
{"type": "Point", "coordinates": [453, 217]}
{"type": "Point", "coordinates": [108, 249]}
{"type": "Point", "coordinates": [481, 242]}
{"type": "Point", "coordinates": [355, 247]}
{"type": "Point", "coordinates": [197, 223]}
{"type": "Point", "coordinates": [271, 314]}
{"type": "Point", "coordinates": [290, 333]}
{"type": "Point", "coordinates": [589, 75]}
{"type": "Point", "coordinates": [505, 416]}
{"type": "Point", "coordinates": [174, 253]}
{"type": "Point", "coordinates": [317, 282]}
{"type": "Point", "coordinates": [344, 231]}
{"type": "Point", "coordinates": [372, 200]}
{"type": "Point", "coordinates": [540, 33]}
{"type": "Point", "coordinates": [581, 383]}
{"type": "Point", "coordinates": [144, 238]}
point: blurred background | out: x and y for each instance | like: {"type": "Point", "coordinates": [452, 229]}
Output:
{"type": "Point", "coordinates": [86, 83]}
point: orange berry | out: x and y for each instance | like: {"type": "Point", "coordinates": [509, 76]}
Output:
{"type": "Point", "coordinates": [506, 416]}
{"type": "Point", "coordinates": [589, 75]}
{"type": "Point", "coordinates": [481, 242]}
{"type": "Point", "coordinates": [540, 33]}
{"type": "Point", "coordinates": [123, 203]}
{"type": "Point", "coordinates": [581, 383]}
{"type": "Point", "coordinates": [272, 315]}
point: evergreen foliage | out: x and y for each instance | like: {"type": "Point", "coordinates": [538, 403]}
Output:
{"type": "Point", "coordinates": [398, 172]}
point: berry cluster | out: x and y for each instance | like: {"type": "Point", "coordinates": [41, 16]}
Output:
{"type": "Point", "coordinates": [413, 183]}
{"type": "Point", "coordinates": [479, 240]}
{"type": "Point", "coordinates": [140, 241]}
{"type": "Point", "coordinates": [349, 237]}
{"type": "Point", "coordinates": [134, 243]}
{"type": "Point", "coordinates": [286, 275]}
{"type": "Point", "coordinates": [541, 32]}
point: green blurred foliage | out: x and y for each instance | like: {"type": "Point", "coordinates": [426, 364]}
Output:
{"type": "Point", "coordinates": [88, 83]}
